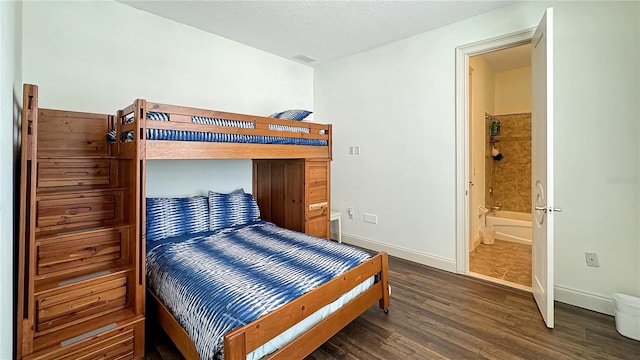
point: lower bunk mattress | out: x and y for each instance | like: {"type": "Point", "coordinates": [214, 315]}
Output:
{"type": "Point", "coordinates": [217, 281]}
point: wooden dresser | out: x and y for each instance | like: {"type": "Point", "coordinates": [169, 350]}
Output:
{"type": "Point", "coordinates": [80, 272]}
{"type": "Point", "coordinates": [294, 194]}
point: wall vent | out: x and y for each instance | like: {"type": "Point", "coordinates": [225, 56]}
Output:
{"type": "Point", "coordinates": [303, 58]}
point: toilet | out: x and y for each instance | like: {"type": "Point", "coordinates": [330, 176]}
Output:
{"type": "Point", "coordinates": [627, 313]}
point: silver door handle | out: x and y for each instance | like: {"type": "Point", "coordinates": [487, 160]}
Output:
{"type": "Point", "coordinates": [544, 208]}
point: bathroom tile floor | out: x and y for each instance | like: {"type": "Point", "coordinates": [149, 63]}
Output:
{"type": "Point", "coordinates": [503, 260]}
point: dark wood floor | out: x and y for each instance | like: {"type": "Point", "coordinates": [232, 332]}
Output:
{"type": "Point", "coordinates": [438, 315]}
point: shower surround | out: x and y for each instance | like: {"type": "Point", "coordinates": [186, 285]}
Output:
{"type": "Point", "coordinates": [509, 178]}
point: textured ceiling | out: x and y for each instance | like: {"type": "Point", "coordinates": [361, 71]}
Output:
{"type": "Point", "coordinates": [316, 32]}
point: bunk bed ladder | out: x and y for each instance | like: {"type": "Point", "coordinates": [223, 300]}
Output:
{"type": "Point", "coordinates": [80, 285]}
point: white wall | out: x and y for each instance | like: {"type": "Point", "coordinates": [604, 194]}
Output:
{"type": "Point", "coordinates": [99, 56]}
{"type": "Point", "coordinates": [398, 103]}
{"type": "Point", "coordinates": [203, 175]}
{"type": "Point", "coordinates": [482, 101]}
{"type": "Point", "coordinates": [10, 101]}
{"type": "Point", "coordinates": [513, 91]}
{"type": "Point", "coordinates": [597, 80]}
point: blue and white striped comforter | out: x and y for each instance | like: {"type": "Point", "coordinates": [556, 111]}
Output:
{"type": "Point", "coordinates": [183, 135]}
{"type": "Point", "coordinates": [215, 282]}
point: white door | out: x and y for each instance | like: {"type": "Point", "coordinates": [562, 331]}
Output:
{"type": "Point", "coordinates": [542, 166]}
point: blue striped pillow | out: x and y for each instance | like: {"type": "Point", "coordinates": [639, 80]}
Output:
{"type": "Point", "coordinates": [195, 214]}
{"type": "Point", "coordinates": [226, 210]}
{"type": "Point", "coordinates": [164, 218]}
{"type": "Point", "coordinates": [297, 115]}
{"type": "Point", "coordinates": [168, 217]}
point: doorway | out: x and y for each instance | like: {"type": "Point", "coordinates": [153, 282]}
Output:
{"type": "Point", "coordinates": [470, 184]}
{"type": "Point", "coordinates": [542, 94]}
{"type": "Point", "coordinates": [499, 124]}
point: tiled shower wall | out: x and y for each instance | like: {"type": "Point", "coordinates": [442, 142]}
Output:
{"type": "Point", "coordinates": [511, 176]}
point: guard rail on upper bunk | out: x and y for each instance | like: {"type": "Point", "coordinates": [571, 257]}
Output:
{"type": "Point", "coordinates": [161, 131]}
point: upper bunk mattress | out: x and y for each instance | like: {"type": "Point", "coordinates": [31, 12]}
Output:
{"type": "Point", "coordinates": [215, 282]}
{"type": "Point", "coordinates": [181, 135]}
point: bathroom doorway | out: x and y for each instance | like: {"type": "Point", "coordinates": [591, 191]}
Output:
{"type": "Point", "coordinates": [542, 125]}
{"type": "Point", "coordinates": [499, 143]}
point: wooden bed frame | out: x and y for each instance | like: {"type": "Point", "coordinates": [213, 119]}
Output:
{"type": "Point", "coordinates": [240, 342]}
{"type": "Point", "coordinates": [180, 119]}
{"type": "Point", "coordinates": [131, 156]}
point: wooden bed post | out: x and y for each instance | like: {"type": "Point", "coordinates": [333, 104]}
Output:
{"type": "Point", "coordinates": [385, 302]}
{"type": "Point", "coordinates": [235, 347]}
{"type": "Point", "coordinates": [139, 163]}
{"type": "Point", "coordinates": [330, 142]}
{"type": "Point", "coordinates": [25, 309]}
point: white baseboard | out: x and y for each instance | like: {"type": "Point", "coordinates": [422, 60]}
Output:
{"type": "Point", "coordinates": [583, 299]}
{"type": "Point", "coordinates": [579, 298]}
{"type": "Point", "coordinates": [401, 252]}
{"type": "Point", "coordinates": [475, 242]}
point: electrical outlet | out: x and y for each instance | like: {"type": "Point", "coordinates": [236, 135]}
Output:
{"type": "Point", "coordinates": [592, 259]}
{"type": "Point", "coordinates": [370, 218]}
{"type": "Point", "coordinates": [350, 213]}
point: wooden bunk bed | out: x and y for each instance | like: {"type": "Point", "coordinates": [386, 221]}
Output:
{"type": "Point", "coordinates": [300, 152]}
{"type": "Point", "coordinates": [134, 122]}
